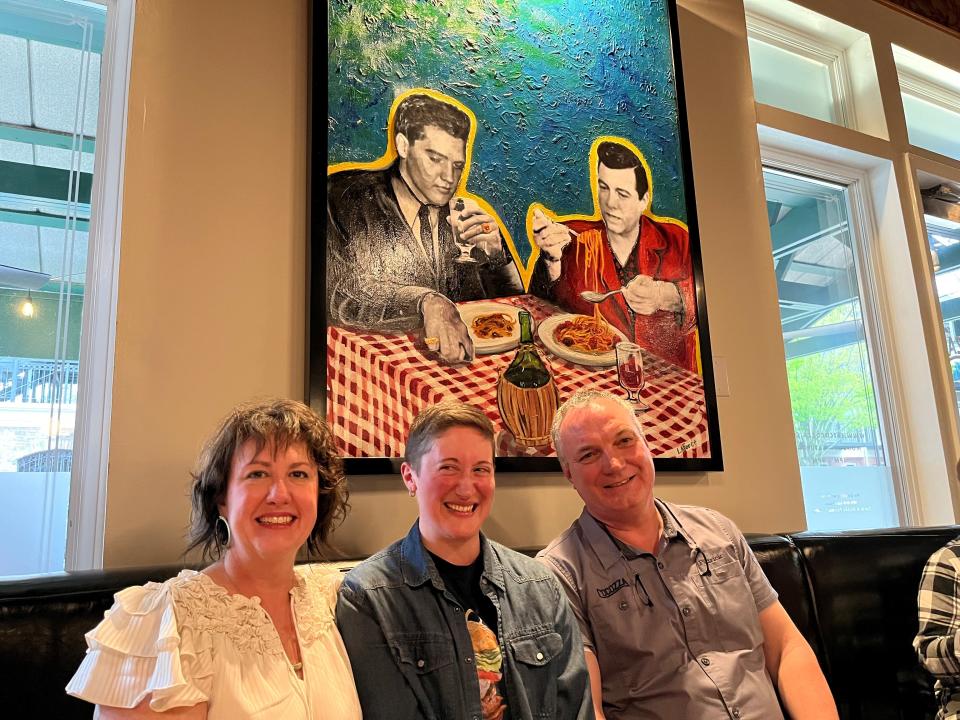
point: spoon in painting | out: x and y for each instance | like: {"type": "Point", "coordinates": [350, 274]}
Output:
{"type": "Point", "coordinates": [596, 297]}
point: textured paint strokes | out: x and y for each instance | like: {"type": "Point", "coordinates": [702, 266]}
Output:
{"type": "Point", "coordinates": [544, 79]}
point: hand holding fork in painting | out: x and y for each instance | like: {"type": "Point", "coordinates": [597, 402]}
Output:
{"type": "Point", "coordinates": [472, 226]}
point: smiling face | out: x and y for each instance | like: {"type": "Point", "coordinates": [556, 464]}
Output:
{"type": "Point", "coordinates": [620, 206]}
{"type": "Point", "coordinates": [454, 485]}
{"type": "Point", "coordinates": [432, 164]}
{"type": "Point", "coordinates": [606, 459]}
{"type": "Point", "coordinates": [271, 501]}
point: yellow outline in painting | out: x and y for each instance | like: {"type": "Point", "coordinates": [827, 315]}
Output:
{"type": "Point", "coordinates": [527, 272]}
{"type": "Point", "coordinates": [388, 157]}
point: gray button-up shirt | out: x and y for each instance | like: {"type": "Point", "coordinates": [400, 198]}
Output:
{"type": "Point", "coordinates": [676, 634]}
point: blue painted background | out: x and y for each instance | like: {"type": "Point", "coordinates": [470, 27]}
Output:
{"type": "Point", "coordinates": [543, 78]}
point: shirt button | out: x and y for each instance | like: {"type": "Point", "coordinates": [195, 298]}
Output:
{"type": "Point", "coordinates": [468, 660]}
{"type": "Point", "coordinates": [736, 712]}
{"type": "Point", "coordinates": [687, 611]}
{"type": "Point", "coordinates": [457, 608]}
{"type": "Point", "coordinates": [420, 663]}
{"type": "Point", "coordinates": [661, 565]}
{"type": "Point", "coordinates": [704, 661]}
{"type": "Point", "coordinates": [623, 604]}
{"type": "Point", "coordinates": [539, 656]}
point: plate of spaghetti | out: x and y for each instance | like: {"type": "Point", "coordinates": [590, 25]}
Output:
{"type": "Point", "coordinates": [582, 339]}
{"type": "Point", "coordinates": [493, 327]}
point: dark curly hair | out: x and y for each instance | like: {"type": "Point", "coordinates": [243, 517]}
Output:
{"type": "Point", "coordinates": [272, 421]}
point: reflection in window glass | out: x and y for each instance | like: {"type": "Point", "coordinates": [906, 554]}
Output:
{"type": "Point", "coordinates": [847, 480]}
{"type": "Point", "coordinates": [944, 238]}
{"type": "Point", "coordinates": [49, 93]}
{"type": "Point", "coordinates": [792, 82]}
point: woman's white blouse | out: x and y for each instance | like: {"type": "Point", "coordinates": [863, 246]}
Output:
{"type": "Point", "coordinates": [188, 640]}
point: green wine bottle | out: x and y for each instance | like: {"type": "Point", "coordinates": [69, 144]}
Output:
{"type": "Point", "coordinates": [527, 369]}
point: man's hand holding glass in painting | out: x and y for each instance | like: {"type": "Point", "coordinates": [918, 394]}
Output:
{"type": "Point", "coordinates": [393, 231]}
{"type": "Point", "coordinates": [645, 257]}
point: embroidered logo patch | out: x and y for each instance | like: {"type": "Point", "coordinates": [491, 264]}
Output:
{"type": "Point", "coordinates": [612, 588]}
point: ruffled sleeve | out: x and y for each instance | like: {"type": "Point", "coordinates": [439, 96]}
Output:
{"type": "Point", "coordinates": [138, 650]}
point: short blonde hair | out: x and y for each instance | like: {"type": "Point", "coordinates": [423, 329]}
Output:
{"type": "Point", "coordinates": [582, 398]}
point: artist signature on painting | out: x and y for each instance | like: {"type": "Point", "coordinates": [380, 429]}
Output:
{"type": "Point", "coordinates": [688, 445]}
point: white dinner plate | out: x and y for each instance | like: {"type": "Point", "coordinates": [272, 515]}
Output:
{"type": "Point", "coordinates": [545, 331]}
{"type": "Point", "coordinates": [491, 346]}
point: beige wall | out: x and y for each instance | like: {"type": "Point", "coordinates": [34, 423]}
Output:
{"type": "Point", "coordinates": [211, 296]}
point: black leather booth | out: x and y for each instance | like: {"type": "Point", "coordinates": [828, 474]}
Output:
{"type": "Point", "coordinates": [853, 595]}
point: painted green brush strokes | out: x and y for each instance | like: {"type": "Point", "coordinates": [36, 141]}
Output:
{"type": "Point", "coordinates": [543, 78]}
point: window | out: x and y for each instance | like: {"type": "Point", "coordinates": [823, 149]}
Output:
{"type": "Point", "coordinates": [57, 268]}
{"type": "Point", "coordinates": [931, 102]}
{"type": "Point", "coordinates": [941, 204]}
{"type": "Point", "coordinates": [811, 65]}
{"type": "Point", "coordinates": [818, 257]}
{"type": "Point", "coordinates": [814, 86]}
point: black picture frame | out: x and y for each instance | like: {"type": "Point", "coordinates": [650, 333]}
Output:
{"type": "Point", "coordinates": [316, 323]}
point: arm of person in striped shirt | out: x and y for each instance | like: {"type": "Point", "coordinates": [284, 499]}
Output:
{"type": "Point", "coordinates": [938, 603]}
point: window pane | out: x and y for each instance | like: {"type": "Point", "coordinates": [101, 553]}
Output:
{"type": "Point", "coordinates": [43, 255]}
{"type": "Point", "coordinates": [792, 82]}
{"type": "Point", "coordinates": [932, 126]}
{"type": "Point", "coordinates": [931, 102]}
{"type": "Point", "coordinates": [847, 481]}
{"type": "Point", "coordinates": [944, 238]}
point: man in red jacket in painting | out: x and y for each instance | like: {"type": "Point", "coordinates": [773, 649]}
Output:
{"type": "Point", "coordinates": [647, 256]}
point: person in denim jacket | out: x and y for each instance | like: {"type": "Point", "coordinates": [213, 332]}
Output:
{"type": "Point", "coordinates": [446, 623]}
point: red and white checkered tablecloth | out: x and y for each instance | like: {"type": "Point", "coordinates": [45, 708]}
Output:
{"type": "Point", "coordinates": [377, 383]}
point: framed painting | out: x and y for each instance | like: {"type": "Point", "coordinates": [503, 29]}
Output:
{"type": "Point", "coordinates": [502, 212]}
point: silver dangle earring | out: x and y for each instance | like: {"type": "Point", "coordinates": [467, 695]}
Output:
{"type": "Point", "coordinates": [222, 541]}
{"type": "Point", "coordinates": [413, 492]}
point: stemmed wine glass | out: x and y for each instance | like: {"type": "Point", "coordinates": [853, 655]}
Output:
{"type": "Point", "coordinates": [456, 215]}
{"type": "Point", "coordinates": [630, 373]}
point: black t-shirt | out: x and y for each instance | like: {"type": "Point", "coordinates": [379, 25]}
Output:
{"type": "Point", "coordinates": [463, 582]}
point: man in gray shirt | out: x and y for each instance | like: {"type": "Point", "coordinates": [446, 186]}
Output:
{"type": "Point", "coordinates": [677, 617]}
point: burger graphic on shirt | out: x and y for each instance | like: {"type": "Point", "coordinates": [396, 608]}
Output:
{"type": "Point", "coordinates": [489, 661]}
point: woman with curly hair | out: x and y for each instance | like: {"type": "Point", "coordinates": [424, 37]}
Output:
{"type": "Point", "coordinates": [250, 636]}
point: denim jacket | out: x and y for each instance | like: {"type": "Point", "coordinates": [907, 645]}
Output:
{"type": "Point", "coordinates": [411, 653]}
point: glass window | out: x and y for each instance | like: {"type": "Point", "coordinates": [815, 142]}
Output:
{"type": "Point", "coordinates": [48, 122]}
{"type": "Point", "coordinates": [932, 126]}
{"type": "Point", "coordinates": [941, 204]}
{"type": "Point", "coordinates": [845, 468]}
{"type": "Point", "coordinates": [793, 82]}
{"type": "Point", "coordinates": [931, 102]}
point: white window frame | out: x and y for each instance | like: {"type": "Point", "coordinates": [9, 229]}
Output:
{"type": "Point", "coordinates": [819, 50]}
{"type": "Point", "coordinates": [875, 312]}
{"type": "Point", "coordinates": [88, 481]}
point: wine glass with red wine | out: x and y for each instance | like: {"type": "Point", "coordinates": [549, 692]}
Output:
{"type": "Point", "coordinates": [630, 373]}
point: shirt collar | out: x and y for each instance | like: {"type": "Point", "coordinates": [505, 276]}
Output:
{"type": "Point", "coordinates": [407, 201]}
{"type": "Point", "coordinates": [606, 548]}
{"type": "Point", "coordinates": [409, 204]}
{"type": "Point", "coordinates": [417, 567]}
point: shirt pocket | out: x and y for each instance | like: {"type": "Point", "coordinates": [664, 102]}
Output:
{"type": "Point", "coordinates": [726, 592]}
{"type": "Point", "coordinates": [534, 657]}
{"type": "Point", "coordinates": [428, 663]}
